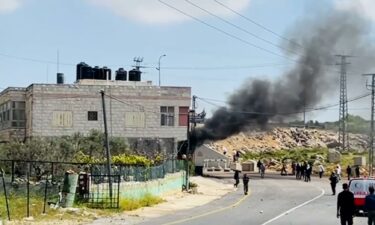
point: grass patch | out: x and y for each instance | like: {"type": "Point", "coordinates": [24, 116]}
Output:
{"type": "Point", "coordinates": [129, 204]}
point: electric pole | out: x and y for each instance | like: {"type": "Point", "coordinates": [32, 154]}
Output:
{"type": "Point", "coordinates": [343, 110]}
{"type": "Point", "coordinates": [108, 153]}
{"type": "Point", "coordinates": [371, 147]}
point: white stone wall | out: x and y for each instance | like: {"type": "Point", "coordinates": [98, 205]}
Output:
{"type": "Point", "coordinates": [72, 102]}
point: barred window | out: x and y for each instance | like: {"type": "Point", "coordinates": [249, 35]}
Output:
{"type": "Point", "coordinates": [92, 115]}
{"type": "Point", "coordinates": [167, 116]}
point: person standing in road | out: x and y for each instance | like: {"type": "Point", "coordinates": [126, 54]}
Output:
{"type": "Point", "coordinates": [338, 171]}
{"type": "Point", "coordinates": [236, 178]}
{"type": "Point", "coordinates": [298, 171]}
{"type": "Point", "coordinates": [334, 180]}
{"type": "Point", "coordinates": [245, 180]}
{"type": "Point", "coordinates": [370, 206]}
{"type": "Point", "coordinates": [258, 165]}
{"type": "Point", "coordinates": [357, 171]}
{"type": "Point", "coordinates": [321, 170]}
{"type": "Point", "coordinates": [349, 171]}
{"type": "Point", "coordinates": [345, 205]}
{"type": "Point", "coordinates": [262, 170]}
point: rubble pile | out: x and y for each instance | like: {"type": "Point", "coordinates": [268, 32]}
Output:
{"type": "Point", "coordinates": [287, 138]}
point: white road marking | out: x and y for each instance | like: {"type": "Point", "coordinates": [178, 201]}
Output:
{"type": "Point", "coordinates": [294, 208]}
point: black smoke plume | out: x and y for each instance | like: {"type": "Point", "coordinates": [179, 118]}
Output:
{"type": "Point", "coordinates": [312, 78]}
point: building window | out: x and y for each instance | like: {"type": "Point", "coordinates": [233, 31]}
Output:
{"type": "Point", "coordinates": [62, 119]}
{"type": "Point", "coordinates": [183, 115]}
{"type": "Point", "coordinates": [135, 119]}
{"type": "Point", "coordinates": [167, 116]}
{"type": "Point", "coordinates": [92, 116]}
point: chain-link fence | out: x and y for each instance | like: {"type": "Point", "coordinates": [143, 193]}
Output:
{"type": "Point", "coordinates": [32, 187]}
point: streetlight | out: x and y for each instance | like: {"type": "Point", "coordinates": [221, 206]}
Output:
{"type": "Point", "coordinates": [159, 66]}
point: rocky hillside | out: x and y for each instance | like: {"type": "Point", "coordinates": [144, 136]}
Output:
{"type": "Point", "coordinates": [287, 138]}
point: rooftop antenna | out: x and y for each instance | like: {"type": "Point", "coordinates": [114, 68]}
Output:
{"type": "Point", "coordinates": [138, 61]}
{"type": "Point", "coordinates": [58, 61]}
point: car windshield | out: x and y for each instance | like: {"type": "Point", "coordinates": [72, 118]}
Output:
{"type": "Point", "coordinates": [361, 186]}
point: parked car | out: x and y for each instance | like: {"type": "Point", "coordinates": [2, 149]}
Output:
{"type": "Point", "coordinates": [359, 187]}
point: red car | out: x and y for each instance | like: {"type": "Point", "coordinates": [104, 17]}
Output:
{"type": "Point", "coordinates": [359, 187]}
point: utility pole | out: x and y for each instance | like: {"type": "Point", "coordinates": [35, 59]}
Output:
{"type": "Point", "coordinates": [194, 107]}
{"type": "Point", "coordinates": [343, 110]}
{"type": "Point", "coordinates": [108, 153]}
{"type": "Point", "coordinates": [371, 147]}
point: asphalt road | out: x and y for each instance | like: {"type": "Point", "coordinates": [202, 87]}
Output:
{"type": "Point", "coordinates": [272, 200]}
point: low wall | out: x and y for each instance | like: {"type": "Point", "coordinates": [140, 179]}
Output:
{"type": "Point", "coordinates": [171, 182]}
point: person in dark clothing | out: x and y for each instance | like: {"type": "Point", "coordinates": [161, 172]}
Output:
{"type": "Point", "coordinates": [334, 180]}
{"type": "Point", "coordinates": [349, 171]}
{"type": "Point", "coordinates": [236, 178]}
{"type": "Point", "coordinates": [258, 165]}
{"type": "Point", "coordinates": [357, 171]}
{"type": "Point", "coordinates": [370, 206]}
{"type": "Point", "coordinates": [298, 171]}
{"type": "Point", "coordinates": [345, 205]}
{"type": "Point", "coordinates": [245, 180]}
{"type": "Point", "coordinates": [293, 168]}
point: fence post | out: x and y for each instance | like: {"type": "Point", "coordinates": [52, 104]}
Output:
{"type": "Point", "coordinates": [5, 192]}
{"type": "Point", "coordinates": [52, 172]}
{"type": "Point", "coordinates": [12, 171]}
{"type": "Point", "coordinates": [28, 189]}
{"type": "Point", "coordinates": [45, 194]}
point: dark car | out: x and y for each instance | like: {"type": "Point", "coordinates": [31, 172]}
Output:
{"type": "Point", "coordinates": [359, 187]}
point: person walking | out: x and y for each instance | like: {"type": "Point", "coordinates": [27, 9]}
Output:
{"type": "Point", "coordinates": [370, 206]}
{"type": "Point", "coordinates": [236, 178]}
{"type": "Point", "coordinates": [349, 171]}
{"type": "Point", "coordinates": [321, 170]}
{"type": "Point", "coordinates": [262, 170]}
{"type": "Point", "coordinates": [245, 180]}
{"type": "Point", "coordinates": [334, 180]}
{"type": "Point", "coordinates": [338, 171]}
{"type": "Point", "coordinates": [258, 165]}
{"type": "Point", "coordinates": [345, 205]}
{"type": "Point", "coordinates": [357, 171]}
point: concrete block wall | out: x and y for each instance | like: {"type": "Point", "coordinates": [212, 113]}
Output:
{"type": "Point", "coordinates": [77, 100]}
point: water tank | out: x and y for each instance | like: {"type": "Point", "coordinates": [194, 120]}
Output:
{"type": "Point", "coordinates": [60, 78]}
{"type": "Point", "coordinates": [79, 71]}
{"type": "Point", "coordinates": [134, 75]}
{"type": "Point", "coordinates": [98, 73]}
{"type": "Point", "coordinates": [121, 74]}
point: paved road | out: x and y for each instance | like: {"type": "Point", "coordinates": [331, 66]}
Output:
{"type": "Point", "coordinates": [273, 200]}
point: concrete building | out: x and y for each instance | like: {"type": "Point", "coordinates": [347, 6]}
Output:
{"type": "Point", "coordinates": [135, 110]}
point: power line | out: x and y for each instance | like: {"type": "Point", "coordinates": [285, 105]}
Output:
{"type": "Point", "coordinates": [240, 28]}
{"type": "Point", "coordinates": [288, 113]}
{"type": "Point", "coordinates": [224, 32]}
{"type": "Point", "coordinates": [258, 24]}
{"type": "Point", "coordinates": [34, 60]}
{"type": "Point", "coordinates": [228, 67]}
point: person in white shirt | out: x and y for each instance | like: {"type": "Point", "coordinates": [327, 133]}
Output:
{"type": "Point", "coordinates": [321, 170]}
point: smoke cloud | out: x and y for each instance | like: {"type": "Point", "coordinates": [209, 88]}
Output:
{"type": "Point", "coordinates": [312, 78]}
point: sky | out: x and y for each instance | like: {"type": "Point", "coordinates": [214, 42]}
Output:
{"type": "Point", "coordinates": [214, 54]}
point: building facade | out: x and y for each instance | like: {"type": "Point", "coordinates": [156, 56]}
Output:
{"type": "Point", "coordinates": [134, 109]}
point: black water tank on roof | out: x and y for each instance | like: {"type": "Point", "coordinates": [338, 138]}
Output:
{"type": "Point", "coordinates": [79, 71]}
{"type": "Point", "coordinates": [134, 75]}
{"type": "Point", "coordinates": [87, 72]}
{"type": "Point", "coordinates": [121, 74]}
{"type": "Point", "coordinates": [98, 73]}
{"type": "Point", "coordinates": [60, 78]}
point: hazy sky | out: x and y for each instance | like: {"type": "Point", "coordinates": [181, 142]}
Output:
{"type": "Point", "coordinates": [213, 55]}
